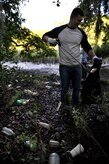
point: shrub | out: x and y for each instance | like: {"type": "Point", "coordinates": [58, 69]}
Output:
{"type": "Point", "coordinates": [102, 51]}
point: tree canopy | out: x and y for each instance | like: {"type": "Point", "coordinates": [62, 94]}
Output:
{"type": "Point", "coordinates": [11, 21]}
{"type": "Point", "coordinates": [12, 33]}
{"type": "Point", "coordinates": [94, 10]}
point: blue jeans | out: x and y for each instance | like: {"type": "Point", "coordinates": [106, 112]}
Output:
{"type": "Point", "coordinates": [71, 74]}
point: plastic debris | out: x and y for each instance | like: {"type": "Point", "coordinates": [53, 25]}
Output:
{"type": "Point", "coordinates": [31, 144]}
{"type": "Point", "coordinates": [27, 91]}
{"type": "Point", "coordinates": [9, 87]}
{"type": "Point", "coordinates": [54, 144]}
{"type": "Point", "coordinates": [48, 87]}
{"type": "Point", "coordinates": [76, 150]}
{"type": "Point", "coordinates": [59, 105]}
{"type": "Point", "coordinates": [44, 125]}
{"type": "Point", "coordinates": [54, 158]}
{"type": "Point", "coordinates": [22, 101]}
{"type": "Point", "coordinates": [8, 131]}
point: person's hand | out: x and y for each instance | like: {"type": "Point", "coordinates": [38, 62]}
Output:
{"type": "Point", "coordinates": [52, 41]}
{"type": "Point", "coordinates": [93, 70]}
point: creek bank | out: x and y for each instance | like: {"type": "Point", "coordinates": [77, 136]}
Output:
{"type": "Point", "coordinates": [88, 125]}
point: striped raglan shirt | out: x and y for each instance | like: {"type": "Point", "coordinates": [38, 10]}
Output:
{"type": "Point", "coordinates": [70, 41]}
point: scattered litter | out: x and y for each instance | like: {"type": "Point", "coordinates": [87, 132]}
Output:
{"type": "Point", "coordinates": [8, 131]}
{"type": "Point", "coordinates": [54, 158]}
{"type": "Point", "coordinates": [31, 144]}
{"type": "Point", "coordinates": [44, 125]}
{"type": "Point", "coordinates": [29, 113]}
{"type": "Point", "coordinates": [22, 101]}
{"type": "Point", "coordinates": [48, 87]}
{"type": "Point", "coordinates": [59, 105]}
{"type": "Point", "coordinates": [27, 143]}
{"type": "Point", "coordinates": [46, 82]}
{"type": "Point", "coordinates": [17, 87]}
{"type": "Point", "coordinates": [76, 150]}
{"type": "Point", "coordinates": [16, 81]}
{"type": "Point", "coordinates": [9, 86]}
{"type": "Point", "coordinates": [53, 144]}
{"type": "Point", "coordinates": [31, 92]}
{"type": "Point", "coordinates": [56, 83]}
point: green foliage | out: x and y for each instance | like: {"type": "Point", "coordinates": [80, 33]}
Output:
{"type": "Point", "coordinates": [11, 26]}
{"type": "Point", "coordinates": [34, 54]}
{"type": "Point", "coordinates": [28, 40]}
{"type": "Point", "coordinates": [93, 11]}
{"type": "Point", "coordinates": [94, 8]}
{"type": "Point", "coordinates": [88, 14]}
{"type": "Point", "coordinates": [3, 82]}
{"type": "Point", "coordinates": [14, 36]}
{"type": "Point", "coordinates": [14, 98]}
{"type": "Point", "coordinates": [30, 142]}
{"type": "Point", "coordinates": [79, 119]}
{"type": "Point", "coordinates": [102, 51]}
{"type": "Point", "coordinates": [2, 51]}
{"type": "Point", "coordinates": [106, 30]}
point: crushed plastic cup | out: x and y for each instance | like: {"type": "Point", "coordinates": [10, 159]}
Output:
{"type": "Point", "coordinates": [8, 131]}
{"type": "Point", "coordinates": [76, 150]}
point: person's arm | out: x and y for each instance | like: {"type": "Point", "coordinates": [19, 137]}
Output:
{"type": "Point", "coordinates": [86, 45]}
{"type": "Point", "coordinates": [51, 36]}
{"type": "Point", "coordinates": [96, 61]}
{"type": "Point", "coordinates": [91, 54]}
{"type": "Point", "coordinates": [45, 38]}
{"type": "Point", "coordinates": [51, 41]}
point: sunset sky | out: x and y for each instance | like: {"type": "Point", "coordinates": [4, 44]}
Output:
{"type": "Point", "coordinates": [44, 14]}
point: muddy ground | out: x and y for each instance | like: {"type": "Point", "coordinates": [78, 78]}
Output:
{"type": "Point", "coordinates": [88, 125]}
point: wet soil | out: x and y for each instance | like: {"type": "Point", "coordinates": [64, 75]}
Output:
{"type": "Point", "coordinates": [87, 125]}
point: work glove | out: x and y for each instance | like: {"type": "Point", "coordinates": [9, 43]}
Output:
{"type": "Point", "coordinates": [52, 41]}
{"type": "Point", "coordinates": [97, 62]}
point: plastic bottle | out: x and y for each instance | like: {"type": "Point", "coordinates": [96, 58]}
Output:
{"type": "Point", "coordinates": [22, 101]}
{"type": "Point", "coordinates": [54, 144]}
{"type": "Point", "coordinates": [45, 125]}
{"type": "Point", "coordinates": [30, 92]}
{"type": "Point", "coordinates": [7, 131]}
{"type": "Point", "coordinates": [54, 158]}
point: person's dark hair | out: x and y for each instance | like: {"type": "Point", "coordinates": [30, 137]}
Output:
{"type": "Point", "coordinates": [77, 11]}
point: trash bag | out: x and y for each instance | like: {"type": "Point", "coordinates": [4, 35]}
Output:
{"type": "Point", "coordinates": [91, 90]}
